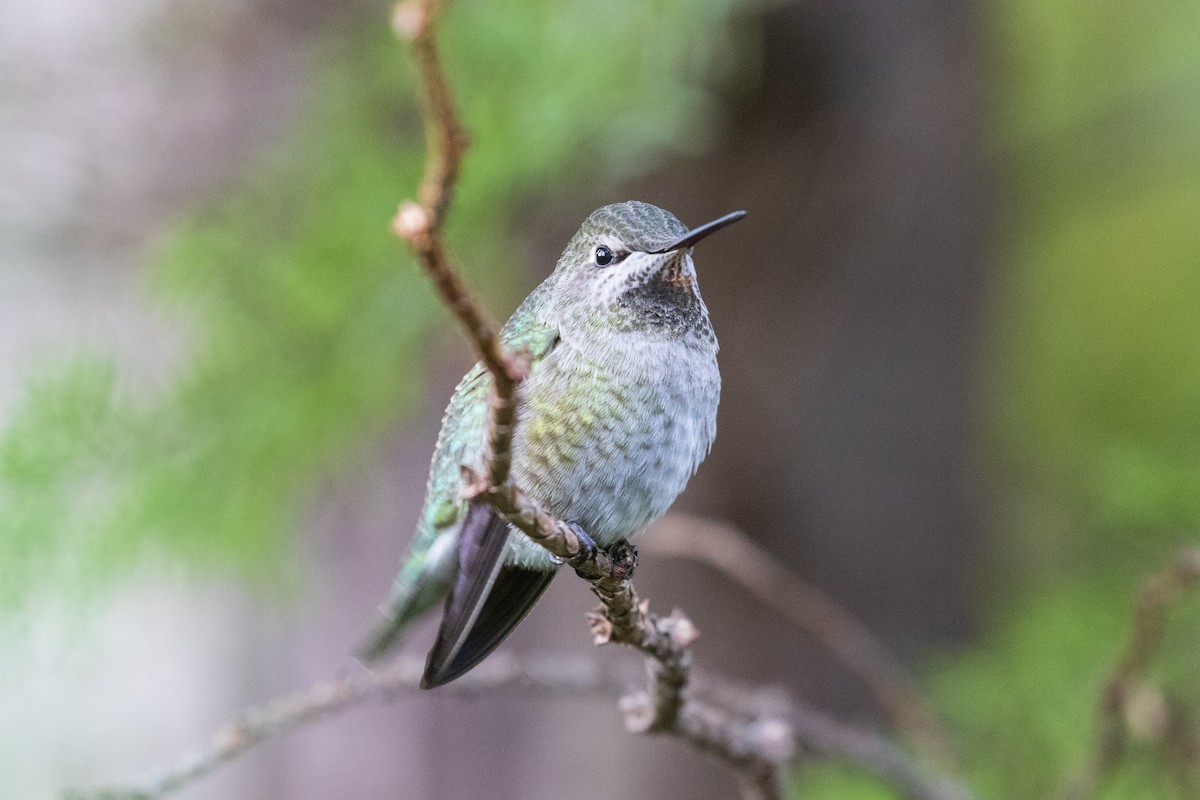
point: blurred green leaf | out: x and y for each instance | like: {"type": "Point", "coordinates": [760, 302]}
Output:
{"type": "Point", "coordinates": [1094, 399]}
{"type": "Point", "coordinates": [1098, 393]}
{"type": "Point", "coordinates": [838, 782]}
{"type": "Point", "coordinates": [1023, 703]}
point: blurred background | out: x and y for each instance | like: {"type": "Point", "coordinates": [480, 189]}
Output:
{"type": "Point", "coordinates": [960, 343]}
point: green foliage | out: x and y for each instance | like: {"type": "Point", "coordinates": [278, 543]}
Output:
{"type": "Point", "coordinates": [838, 782]}
{"type": "Point", "coordinates": [308, 321]}
{"type": "Point", "coordinates": [1023, 704]}
{"type": "Point", "coordinates": [1098, 398]}
{"type": "Point", "coordinates": [1095, 401]}
{"type": "Point", "coordinates": [55, 471]}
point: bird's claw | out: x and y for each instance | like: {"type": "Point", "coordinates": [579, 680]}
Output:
{"type": "Point", "coordinates": [587, 546]}
{"type": "Point", "coordinates": [622, 554]}
{"type": "Point", "coordinates": [624, 558]}
{"type": "Point", "coordinates": [588, 549]}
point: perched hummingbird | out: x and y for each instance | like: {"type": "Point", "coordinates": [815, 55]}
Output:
{"type": "Point", "coordinates": [618, 411]}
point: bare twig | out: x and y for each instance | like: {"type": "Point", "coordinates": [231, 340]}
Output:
{"type": "Point", "coordinates": [623, 618]}
{"type": "Point", "coordinates": [1127, 703]}
{"type": "Point", "coordinates": [553, 534]}
{"type": "Point", "coordinates": [253, 726]}
{"type": "Point", "coordinates": [768, 723]}
{"type": "Point", "coordinates": [416, 20]}
{"type": "Point", "coordinates": [814, 734]}
{"type": "Point", "coordinates": [420, 224]}
{"type": "Point", "coordinates": [726, 549]}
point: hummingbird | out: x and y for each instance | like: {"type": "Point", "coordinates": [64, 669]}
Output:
{"type": "Point", "coordinates": [617, 412]}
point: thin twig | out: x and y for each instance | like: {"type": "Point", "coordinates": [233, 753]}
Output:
{"type": "Point", "coordinates": [253, 726]}
{"type": "Point", "coordinates": [556, 536]}
{"type": "Point", "coordinates": [622, 617]}
{"type": "Point", "coordinates": [420, 224]}
{"type": "Point", "coordinates": [772, 723]}
{"type": "Point", "coordinates": [1125, 698]}
{"type": "Point", "coordinates": [726, 549]}
{"type": "Point", "coordinates": [416, 20]}
{"type": "Point", "coordinates": [811, 733]}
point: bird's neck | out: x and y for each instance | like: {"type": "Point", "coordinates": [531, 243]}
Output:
{"type": "Point", "coordinates": [668, 305]}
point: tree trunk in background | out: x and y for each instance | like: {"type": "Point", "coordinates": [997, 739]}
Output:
{"type": "Point", "coordinates": [848, 306]}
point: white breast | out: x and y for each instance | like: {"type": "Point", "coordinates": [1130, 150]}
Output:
{"type": "Point", "coordinates": [608, 436]}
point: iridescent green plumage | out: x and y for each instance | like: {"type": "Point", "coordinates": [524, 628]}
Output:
{"type": "Point", "coordinates": [617, 412]}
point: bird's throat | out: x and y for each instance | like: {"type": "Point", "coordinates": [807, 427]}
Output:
{"type": "Point", "coordinates": [668, 303]}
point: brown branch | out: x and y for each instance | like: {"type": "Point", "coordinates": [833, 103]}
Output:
{"type": "Point", "coordinates": [768, 724]}
{"type": "Point", "coordinates": [726, 549]}
{"type": "Point", "coordinates": [420, 224]}
{"type": "Point", "coordinates": [808, 733]}
{"type": "Point", "coordinates": [625, 619]}
{"type": "Point", "coordinates": [253, 726]}
{"type": "Point", "coordinates": [551, 533]}
{"type": "Point", "coordinates": [1126, 702]}
{"type": "Point", "coordinates": [416, 20]}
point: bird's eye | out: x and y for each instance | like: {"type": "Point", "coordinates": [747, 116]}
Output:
{"type": "Point", "coordinates": [604, 256]}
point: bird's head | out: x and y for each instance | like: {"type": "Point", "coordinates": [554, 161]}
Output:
{"type": "Point", "coordinates": [631, 264]}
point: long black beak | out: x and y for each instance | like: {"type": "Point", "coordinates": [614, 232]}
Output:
{"type": "Point", "coordinates": [696, 234]}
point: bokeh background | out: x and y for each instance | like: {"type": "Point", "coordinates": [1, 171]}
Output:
{"type": "Point", "coordinates": [960, 343]}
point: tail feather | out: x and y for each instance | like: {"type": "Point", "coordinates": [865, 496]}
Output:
{"type": "Point", "coordinates": [487, 601]}
{"type": "Point", "coordinates": [424, 580]}
{"type": "Point", "coordinates": [485, 598]}
{"type": "Point", "coordinates": [512, 594]}
{"type": "Point", "coordinates": [482, 543]}
{"type": "Point", "coordinates": [382, 638]}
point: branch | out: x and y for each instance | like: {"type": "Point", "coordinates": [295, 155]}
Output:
{"type": "Point", "coordinates": [663, 707]}
{"type": "Point", "coordinates": [816, 734]}
{"type": "Point", "coordinates": [420, 224]}
{"type": "Point", "coordinates": [253, 726]}
{"type": "Point", "coordinates": [775, 723]}
{"type": "Point", "coordinates": [415, 20]}
{"type": "Point", "coordinates": [726, 549]}
{"type": "Point", "coordinates": [1126, 701]}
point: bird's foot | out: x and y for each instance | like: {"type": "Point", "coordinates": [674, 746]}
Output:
{"type": "Point", "coordinates": [585, 562]}
{"type": "Point", "coordinates": [587, 545]}
{"type": "Point", "coordinates": [622, 555]}
{"type": "Point", "coordinates": [624, 558]}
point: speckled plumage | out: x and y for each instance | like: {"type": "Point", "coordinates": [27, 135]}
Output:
{"type": "Point", "coordinates": [618, 411]}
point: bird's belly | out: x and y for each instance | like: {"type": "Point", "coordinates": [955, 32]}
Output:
{"type": "Point", "coordinates": [611, 445]}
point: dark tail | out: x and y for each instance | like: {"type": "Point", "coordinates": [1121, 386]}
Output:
{"type": "Point", "coordinates": [488, 600]}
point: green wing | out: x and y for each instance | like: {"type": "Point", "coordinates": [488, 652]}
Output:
{"type": "Point", "coordinates": [428, 573]}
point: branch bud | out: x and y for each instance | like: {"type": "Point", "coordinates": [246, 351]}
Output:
{"type": "Point", "coordinates": [408, 20]}
{"type": "Point", "coordinates": [411, 221]}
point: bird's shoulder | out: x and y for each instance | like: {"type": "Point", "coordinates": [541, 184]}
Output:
{"type": "Point", "coordinates": [528, 329]}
